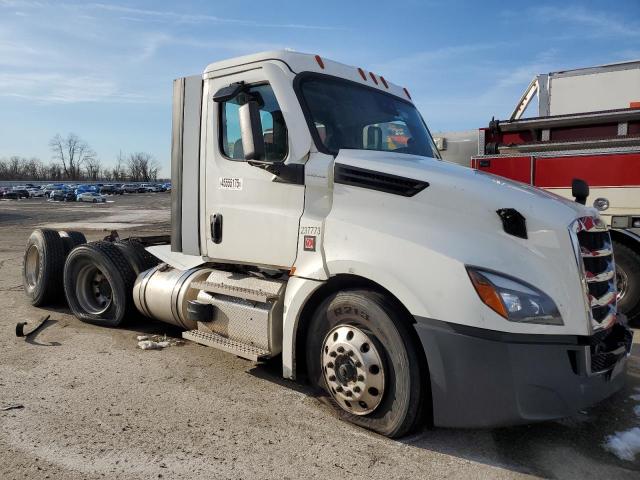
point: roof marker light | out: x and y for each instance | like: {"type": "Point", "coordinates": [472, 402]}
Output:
{"type": "Point", "coordinates": [320, 62]}
{"type": "Point", "coordinates": [361, 72]}
{"type": "Point", "coordinates": [407, 93]}
{"type": "Point", "coordinates": [384, 82]}
{"type": "Point", "coordinates": [373, 77]}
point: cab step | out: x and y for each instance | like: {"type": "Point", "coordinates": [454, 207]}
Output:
{"type": "Point", "coordinates": [244, 350]}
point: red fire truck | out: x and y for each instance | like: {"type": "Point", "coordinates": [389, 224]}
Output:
{"type": "Point", "coordinates": [588, 128]}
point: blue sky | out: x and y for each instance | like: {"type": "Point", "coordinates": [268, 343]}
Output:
{"type": "Point", "coordinates": [104, 70]}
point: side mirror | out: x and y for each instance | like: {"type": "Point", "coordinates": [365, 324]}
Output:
{"type": "Point", "coordinates": [251, 131]}
{"type": "Point", "coordinates": [580, 190]}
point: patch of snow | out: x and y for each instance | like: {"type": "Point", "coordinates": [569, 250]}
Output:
{"type": "Point", "coordinates": [624, 445]}
{"type": "Point", "coordinates": [636, 410]}
{"type": "Point", "coordinates": [635, 397]}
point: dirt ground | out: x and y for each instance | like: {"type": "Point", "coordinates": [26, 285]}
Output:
{"type": "Point", "coordinates": [95, 406]}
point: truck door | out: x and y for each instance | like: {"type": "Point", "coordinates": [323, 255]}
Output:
{"type": "Point", "coordinates": [252, 215]}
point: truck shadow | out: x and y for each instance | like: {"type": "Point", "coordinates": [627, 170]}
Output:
{"type": "Point", "coordinates": [568, 448]}
{"type": "Point", "coordinates": [571, 447]}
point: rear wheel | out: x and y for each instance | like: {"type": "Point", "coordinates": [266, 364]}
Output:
{"type": "Point", "coordinates": [98, 284]}
{"type": "Point", "coordinates": [71, 239]}
{"type": "Point", "coordinates": [361, 352]}
{"type": "Point", "coordinates": [42, 266]}
{"type": "Point", "coordinates": [628, 280]}
{"type": "Point", "coordinates": [137, 255]}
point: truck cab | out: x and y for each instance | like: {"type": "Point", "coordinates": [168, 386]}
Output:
{"type": "Point", "coordinates": [314, 223]}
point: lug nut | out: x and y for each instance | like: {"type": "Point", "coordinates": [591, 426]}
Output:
{"type": "Point", "coordinates": [330, 365]}
{"type": "Point", "coordinates": [338, 389]}
{"type": "Point", "coordinates": [340, 349]}
{"type": "Point", "coordinates": [358, 364]}
{"type": "Point", "coordinates": [361, 378]}
{"type": "Point", "coordinates": [348, 393]}
{"type": "Point", "coordinates": [333, 354]}
{"type": "Point", "coordinates": [356, 389]}
{"type": "Point", "coordinates": [332, 378]}
{"type": "Point", "coordinates": [350, 353]}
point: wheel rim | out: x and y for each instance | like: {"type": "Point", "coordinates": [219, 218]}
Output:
{"type": "Point", "coordinates": [622, 283]}
{"type": "Point", "coordinates": [353, 369]}
{"type": "Point", "coordinates": [32, 266]}
{"type": "Point", "coordinates": [93, 290]}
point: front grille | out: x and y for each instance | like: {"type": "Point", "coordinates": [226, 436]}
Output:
{"type": "Point", "coordinates": [595, 255]}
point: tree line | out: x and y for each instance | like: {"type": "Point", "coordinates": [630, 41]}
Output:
{"type": "Point", "coordinates": [73, 159]}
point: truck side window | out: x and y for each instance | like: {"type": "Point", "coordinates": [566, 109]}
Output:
{"type": "Point", "coordinates": [274, 129]}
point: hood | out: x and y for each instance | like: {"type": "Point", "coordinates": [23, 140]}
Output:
{"type": "Point", "coordinates": [424, 242]}
{"type": "Point", "coordinates": [468, 189]}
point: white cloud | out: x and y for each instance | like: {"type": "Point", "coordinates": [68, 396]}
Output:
{"type": "Point", "coordinates": [166, 15]}
{"type": "Point", "coordinates": [64, 88]}
{"type": "Point", "coordinates": [592, 23]}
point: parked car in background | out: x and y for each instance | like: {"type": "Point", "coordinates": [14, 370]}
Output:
{"type": "Point", "coordinates": [11, 195]}
{"type": "Point", "coordinates": [150, 187]}
{"type": "Point", "coordinates": [110, 190]}
{"type": "Point", "coordinates": [167, 186]}
{"type": "Point", "coordinates": [63, 196]}
{"type": "Point", "coordinates": [130, 188]}
{"type": "Point", "coordinates": [22, 192]}
{"type": "Point", "coordinates": [93, 197]}
{"type": "Point", "coordinates": [36, 192]}
{"type": "Point", "coordinates": [51, 187]}
{"type": "Point", "coordinates": [160, 187]}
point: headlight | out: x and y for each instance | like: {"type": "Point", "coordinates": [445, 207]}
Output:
{"type": "Point", "coordinates": [513, 299]}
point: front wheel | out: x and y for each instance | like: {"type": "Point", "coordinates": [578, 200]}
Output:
{"type": "Point", "coordinates": [361, 352]}
{"type": "Point", "coordinates": [628, 280]}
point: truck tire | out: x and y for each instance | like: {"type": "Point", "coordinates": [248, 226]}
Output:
{"type": "Point", "coordinates": [628, 277]}
{"type": "Point", "coordinates": [98, 284]}
{"type": "Point", "coordinates": [71, 239]}
{"type": "Point", "coordinates": [43, 266]}
{"type": "Point", "coordinates": [360, 351]}
{"type": "Point", "coordinates": [139, 259]}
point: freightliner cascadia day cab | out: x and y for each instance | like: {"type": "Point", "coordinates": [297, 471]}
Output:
{"type": "Point", "coordinates": [313, 222]}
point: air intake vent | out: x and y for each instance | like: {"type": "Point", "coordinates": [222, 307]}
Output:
{"type": "Point", "coordinates": [383, 182]}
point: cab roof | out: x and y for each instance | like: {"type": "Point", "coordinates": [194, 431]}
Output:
{"type": "Point", "coordinates": [298, 62]}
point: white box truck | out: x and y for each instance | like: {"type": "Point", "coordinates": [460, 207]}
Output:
{"type": "Point", "coordinates": [314, 223]}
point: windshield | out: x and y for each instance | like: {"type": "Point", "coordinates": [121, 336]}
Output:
{"type": "Point", "coordinates": [345, 114]}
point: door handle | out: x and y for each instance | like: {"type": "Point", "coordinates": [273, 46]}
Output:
{"type": "Point", "coordinates": [216, 228]}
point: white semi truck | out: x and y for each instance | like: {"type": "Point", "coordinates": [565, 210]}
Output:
{"type": "Point", "coordinates": [313, 222]}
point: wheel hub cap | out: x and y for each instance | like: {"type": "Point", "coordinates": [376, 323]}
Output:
{"type": "Point", "coordinates": [621, 283]}
{"type": "Point", "coordinates": [353, 369]}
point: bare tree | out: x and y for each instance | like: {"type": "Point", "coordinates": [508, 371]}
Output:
{"type": "Point", "coordinates": [93, 167]}
{"type": "Point", "coordinates": [72, 153]}
{"type": "Point", "coordinates": [142, 167]}
{"type": "Point", "coordinates": [118, 172]}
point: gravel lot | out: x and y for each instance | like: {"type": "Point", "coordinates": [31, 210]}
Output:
{"type": "Point", "coordinates": [95, 406]}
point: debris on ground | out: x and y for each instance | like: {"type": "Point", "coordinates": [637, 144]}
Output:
{"type": "Point", "coordinates": [157, 342]}
{"type": "Point", "coordinates": [15, 406]}
{"type": "Point", "coordinates": [624, 445]}
{"type": "Point", "coordinates": [20, 330]}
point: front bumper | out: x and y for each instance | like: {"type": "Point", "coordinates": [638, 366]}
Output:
{"type": "Point", "coordinates": [484, 378]}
